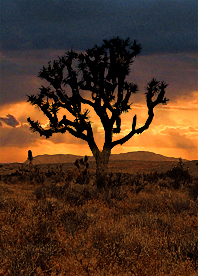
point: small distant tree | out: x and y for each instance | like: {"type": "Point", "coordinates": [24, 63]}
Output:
{"type": "Point", "coordinates": [30, 157]}
{"type": "Point", "coordinates": [100, 71]}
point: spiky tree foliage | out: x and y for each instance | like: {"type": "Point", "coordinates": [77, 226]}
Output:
{"type": "Point", "coordinates": [101, 72]}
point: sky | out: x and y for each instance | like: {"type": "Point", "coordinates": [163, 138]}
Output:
{"type": "Point", "coordinates": [36, 32]}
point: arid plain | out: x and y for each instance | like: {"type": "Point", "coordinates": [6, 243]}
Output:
{"type": "Point", "coordinates": [54, 221]}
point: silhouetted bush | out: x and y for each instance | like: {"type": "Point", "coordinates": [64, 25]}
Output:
{"type": "Point", "coordinates": [179, 175]}
{"type": "Point", "coordinates": [193, 189]}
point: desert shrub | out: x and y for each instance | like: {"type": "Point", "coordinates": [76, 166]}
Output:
{"type": "Point", "coordinates": [77, 194]}
{"type": "Point", "coordinates": [181, 204]}
{"type": "Point", "coordinates": [189, 249]}
{"type": "Point", "coordinates": [27, 238]}
{"type": "Point", "coordinates": [115, 180]}
{"type": "Point", "coordinates": [120, 179]}
{"type": "Point", "coordinates": [83, 178]}
{"type": "Point", "coordinates": [40, 192]}
{"type": "Point", "coordinates": [89, 193]}
{"type": "Point", "coordinates": [152, 177]}
{"type": "Point", "coordinates": [42, 232]}
{"type": "Point", "coordinates": [35, 175]}
{"type": "Point", "coordinates": [23, 176]}
{"type": "Point", "coordinates": [69, 176]}
{"type": "Point", "coordinates": [57, 191]}
{"type": "Point", "coordinates": [74, 194]}
{"type": "Point", "coordinates": [13, 208]}
{"type": "Point", "coordinates": [110, 247]}
{"type": "Point", "coordinates": [165, 182]}
{"type": "Point", "coordinates": [74, 197]}
{"type": "Point", "coordinates": [4, 189]}
{"type": "Point", "coordinates": [180, 176]}
{"type": "Point", "coordinates": [43, 192]}
{"type": "Point", "coordinates": [51, 190]}
{"type": "Point", "coordinates": [186, 248]}
{"type": "Point", "coordinates": [45, 207]}
{"type": "Point", "coordinates": [174, 178]}
{"type": "Point", "coordinates": [11, 178]}
{"type": "Point", "coordinates": [32, 251]}
{"type": "Point", "coordinates": [78, 197]}
{"type": "Point", "coordinates": [38, 178]}
{"type": "Point", "coordinates": [193, 189]}
{"type": "Point", "coordinates": [73, 221]}
{"type": "Point", "coordinates": [115, 193]}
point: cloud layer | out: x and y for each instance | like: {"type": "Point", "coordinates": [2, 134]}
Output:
{"type": "Point", "coordinates": [161, 26]}
{"type": "Point", "coordinates": [9, 120]}
{"type": "Point", "coordinates": [20, 70]}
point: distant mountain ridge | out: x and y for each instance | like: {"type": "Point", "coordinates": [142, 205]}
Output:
{"type": "Point", "coordinates": [70, 158]}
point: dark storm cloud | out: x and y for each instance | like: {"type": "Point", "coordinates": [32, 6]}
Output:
{"type": "Point", "coordinates": [18, 137]}
{"type": "Point", "coordinates": [19, 74]}
{"type": "Point", "coordinates": [35, 32]}
{"type": "Point", "coordinates": [22, 137]}
{"type": "Point", "coordinates": [9, 120]}
{"type": "Point", "coordinates": [159, 25]}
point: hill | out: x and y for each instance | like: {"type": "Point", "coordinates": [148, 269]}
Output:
{"type": "Point", "coordinates": [70, 158]}
{"type": "Point", "coordinates": [142, 156]}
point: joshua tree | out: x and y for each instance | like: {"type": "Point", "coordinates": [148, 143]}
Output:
{"type": "Point", "coordinates": [101, 72]}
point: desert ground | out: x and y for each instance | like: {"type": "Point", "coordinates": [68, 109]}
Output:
{"type": "Point", "coordinates": [53, 220]}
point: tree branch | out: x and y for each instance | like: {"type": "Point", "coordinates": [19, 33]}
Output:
{"type": "Point", "coordinates": [77, 134]}
{"type": "Point", "coordinates": [91, 141]}
{"type": "Point", "coordinates": [127, 137]}
{"type": "Point", "coordinates": [85, 101]}
{"type": "Point", "coordinates": [152, 88]}
{"type": "Point", "coordinates": [62, 127]}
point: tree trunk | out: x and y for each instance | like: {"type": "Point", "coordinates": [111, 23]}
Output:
{"type": "Point", "coordinates": [102, 160]}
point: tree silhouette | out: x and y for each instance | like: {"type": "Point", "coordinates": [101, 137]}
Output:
{"type": "Point", "coordinates": [100, 71]}
{"type": "Point", "coordinates": [30, 157]}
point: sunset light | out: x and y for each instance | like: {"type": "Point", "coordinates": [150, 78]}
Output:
{"type": "Point", "coordinates": [99, 137]}
{"type": "Point", "coordinates": [173, 132]}
{"type": "Point", "coordinates": [166, 55]}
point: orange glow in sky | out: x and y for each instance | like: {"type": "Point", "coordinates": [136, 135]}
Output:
{"type": "Point", "coordinates": [173, 132]}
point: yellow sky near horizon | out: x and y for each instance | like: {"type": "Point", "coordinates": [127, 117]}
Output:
{"type": "Point", "coordinates": [173, 132]}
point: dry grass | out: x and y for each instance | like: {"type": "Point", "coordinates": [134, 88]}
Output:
{"type": "Point", "coordinates": [70, 229]}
